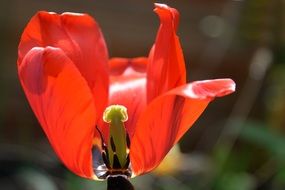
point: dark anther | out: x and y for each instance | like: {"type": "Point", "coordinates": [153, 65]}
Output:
{"type": "Point", "coordinates": [105, 160]}
{"type": "Point", "coordinates": [113, 146]}
{"type": "Point", "coordinates": [128, 141]}
{"type": "Point", "coordinates": [104, 147]}
{"type": "Point", "coordinates": [128, 162]}
{"type": "Point", "coordinates": [116, 164]}
{"type": "Point", "coordinates": [101, 136]}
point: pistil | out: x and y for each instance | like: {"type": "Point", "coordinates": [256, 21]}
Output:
{"type": "Point", "coordinates": [117, 148]}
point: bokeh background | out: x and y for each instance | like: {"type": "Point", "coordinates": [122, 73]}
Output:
{"type": "Point", "coordinates": [239, 141]}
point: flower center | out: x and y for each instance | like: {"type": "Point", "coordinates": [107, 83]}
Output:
{"type": "Point", "coordinates": [115, 154]}
{"type": "Point", "coordinates": [115, 116]}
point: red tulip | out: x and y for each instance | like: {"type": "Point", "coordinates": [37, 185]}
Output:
{"type": "Point", "coordinates": [69, 81]}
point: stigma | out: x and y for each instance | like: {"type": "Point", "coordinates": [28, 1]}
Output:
{"type": "Point", "coordinates": [115, 151]}
{"type": "Point", "coordinates": [115, 113]}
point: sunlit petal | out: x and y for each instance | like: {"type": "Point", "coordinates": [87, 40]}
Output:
{"type": "Point", "coordinates": [168, 117]}
{"type": "Point", "coordinates": [63, 104]}
{"type": "Point", "coordinates": [80, 38]}
{"type": "Point", "coordinates": [166, 68]}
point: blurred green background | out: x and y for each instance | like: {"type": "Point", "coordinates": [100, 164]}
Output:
{"type": "Point", "coordinates": [237, 144]}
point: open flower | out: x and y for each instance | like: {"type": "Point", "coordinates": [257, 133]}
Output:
{"type": "Point", "coordinates": [109, 116]}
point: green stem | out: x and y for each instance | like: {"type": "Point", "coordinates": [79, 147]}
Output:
{"type": "Point", "coordinates": [119, 183]}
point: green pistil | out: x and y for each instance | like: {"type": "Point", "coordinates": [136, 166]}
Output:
{"type": "Point", "coordinates": [116, 115]}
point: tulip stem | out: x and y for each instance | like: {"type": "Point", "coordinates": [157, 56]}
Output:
{"type": "Point", "coordinates": [119, 183]}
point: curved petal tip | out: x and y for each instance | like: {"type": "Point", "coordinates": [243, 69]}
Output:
{"type": "Point", "coordinates": [210, 88]}
{"type": "Point", "coordinates": [164, 7]}
{"type": "Point", "coordinates": [160, 5]}
{"type": "Point", "coordinates": [164, 10]}
{"type": "Point", "coordinates": [214, 88]}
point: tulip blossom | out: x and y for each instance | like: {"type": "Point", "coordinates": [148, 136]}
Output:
{"type": "Point", "coordinates": [109, 117]}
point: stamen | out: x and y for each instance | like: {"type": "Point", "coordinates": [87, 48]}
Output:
{"type": "Point", "coordinates": [113, 146]}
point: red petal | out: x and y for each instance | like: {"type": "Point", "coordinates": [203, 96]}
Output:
{"type": "Point", "coordinates": [168, 117]}
{"type": "Point", "coordinates": [128, 88]}
{"type": "Point", "coordinates": [166, 68]}
{"type": "Point", "coordinates": [79, 36]}
{"type": "Point", "coordinates": [63, 104]}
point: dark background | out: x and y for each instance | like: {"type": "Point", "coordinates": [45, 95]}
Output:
{"type": "Point", "coordinates": [237, 144]}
